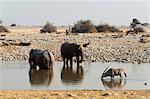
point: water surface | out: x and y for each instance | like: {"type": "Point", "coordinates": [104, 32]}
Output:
{"type": "Point", "coordinates": [17, 75]}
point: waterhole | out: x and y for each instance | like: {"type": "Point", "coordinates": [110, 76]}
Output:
{"type": "Point", "coordinates": [18, 75]}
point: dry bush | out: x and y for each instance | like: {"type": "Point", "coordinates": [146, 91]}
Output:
{"type": "Point", "coordinates": [48, 27]}
{"type": "Point", "coordinates": [145, 24]}
{"type": "Point", "coordinates": [3, 29]}
{"type": "Point", "coordinates": [106, 28]}
{"type": "Point", "coordinates": [85, 26]}
{"type": "Point", "coordinates": [139, 29]}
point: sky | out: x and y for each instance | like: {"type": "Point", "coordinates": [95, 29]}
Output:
{"type": "Point", "coordinates": [60, 12]}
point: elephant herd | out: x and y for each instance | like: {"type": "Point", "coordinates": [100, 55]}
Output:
{"type": "Point", "coordinates": [45, 60]}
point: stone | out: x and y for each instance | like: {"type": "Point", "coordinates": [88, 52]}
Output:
{"type": "Point", "coordinates": [106, 94]}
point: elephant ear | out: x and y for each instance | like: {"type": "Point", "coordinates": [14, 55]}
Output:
{"type": "Point", "coordinates": [31, 52]}
{"type": "Point", "coordinates": [76, 46]}
{"type": "Point", "coordinates": [46, 55]}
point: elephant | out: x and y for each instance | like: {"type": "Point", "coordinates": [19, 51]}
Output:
{"type": "Point", "coordinates": [70, 50]}
{"type": "Point", "coordinates": [114, 83]}
{"type": "Point", "coordinates": [40, 77]}
{"type": "Point", "coordinates": [41, 58]}
{"type": "Point", "coordinates": [70, 76]}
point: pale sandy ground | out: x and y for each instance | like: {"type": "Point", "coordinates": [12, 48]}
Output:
{"type": "Point", "coordinates": [75, 94]}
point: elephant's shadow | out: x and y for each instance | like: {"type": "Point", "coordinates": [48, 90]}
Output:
{"type": "Point", "coordinates": [118, 83]}
{"type": "Point", "coordinates": [72, 76]}
{"type": "Point", "coordinates": [40, 77]}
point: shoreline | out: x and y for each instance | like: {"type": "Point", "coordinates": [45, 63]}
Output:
{"type": "Point", "coordinates": [75, 94]}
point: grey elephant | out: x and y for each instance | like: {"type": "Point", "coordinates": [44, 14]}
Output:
{"type": "Point", "coordinates": [40, 77]}
{"type": "Point", "coordinates": [70, 50]}
{"type": "Point", "coordinates": [41, 58]}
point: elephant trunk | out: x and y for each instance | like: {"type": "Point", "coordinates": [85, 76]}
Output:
{"type": "Point", "coordinates": [81, 59]}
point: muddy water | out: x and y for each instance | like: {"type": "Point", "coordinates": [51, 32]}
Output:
{"type": "Point", "coordinates": [17, 75]}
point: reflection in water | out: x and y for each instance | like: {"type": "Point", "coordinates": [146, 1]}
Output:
{"type": "Point", "coordinates": [40, 77]}
{"type": "Point", "coordinates": [70, 76]}
{"type": "Point", "coordinates": [138, 74]}
{"type": "Point", "coordinates": [114, 83]}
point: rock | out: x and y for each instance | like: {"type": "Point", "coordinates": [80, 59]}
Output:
{"type": "Point", "coordinates": [145, 84]}
{"type": "Point", "coordinates": [93, 60]}
{"type": "Point", "coordinates": [116, 94]}
{"type": "Point", "coordinates": [19, 98]}
{"type": "Point", "coordinates": [92, 97]}
{"type": "Point", "coordinates": [126, 93]}
{"type": "Point", "coordinates": [148, 53]}
{"type": "Point", "coordinates": [133, 93]}
{"type": "Point", "coordinates": [69, 95]}
{"type": "Point", "coordinates": [54, 94]}
{"type": "Point", "coordinates": [106, 94]}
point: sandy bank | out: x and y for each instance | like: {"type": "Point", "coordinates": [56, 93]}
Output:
{"type": "Point", "coordinates": [75, 94]}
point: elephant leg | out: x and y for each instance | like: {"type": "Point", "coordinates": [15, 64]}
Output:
{"type": "Point", "coordinates": [64, 62]}
{"type": "Point", "coordinates": [46, 64]}
{"type": "Point", "coordinates": [42, 63]}
{"type": "Point", "coordinates": [112, 77]}
{"type": "Point", "coordinates": [32, 64]}
{"type": "Point", "coordinates": [34, 67]}
{"type": "Point", "coordinates": [78, 61]}
{"type": "Point", "coordinates": [67, 61]}
{"type": "Point", "coordinates": [120, 75]}
{"type": "Point", "coordinates": [79, 70]}
{"type": "Point", "coordinates": [71, 62]}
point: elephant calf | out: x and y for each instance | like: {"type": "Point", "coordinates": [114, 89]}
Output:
{"type": "Point", "coordinates": [70, 50]}
{"type": "Point", "coordinates": [41, 58]}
